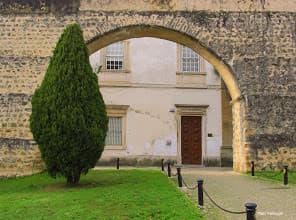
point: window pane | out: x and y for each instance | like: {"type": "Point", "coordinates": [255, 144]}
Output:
{"type": "Point", "coordinates": [190, 60]}
{"type": "Point", "coordinates": [114, 134]}
{"type": "Point", "coordinates": [114, 56]}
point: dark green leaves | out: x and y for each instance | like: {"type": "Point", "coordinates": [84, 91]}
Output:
{"type": "Point", "coordinates": [68, 119]}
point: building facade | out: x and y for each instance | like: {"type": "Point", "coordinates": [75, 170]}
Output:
{"type": "Point", "coordinates": [163, 101]}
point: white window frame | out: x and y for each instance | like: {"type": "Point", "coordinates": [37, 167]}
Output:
{"type": "Point", "coordinates": [201, 64]}
{"type": "Point", "coordinates": [115, 124]}
{"type": "Point", "coordinates": [115, 59]}
{"type": "Point", "coordinates": [186, 79]}
{"type": "Point", "coordinates": [190, 60]}
{"type": "Point", "coordinates": [118, 111]}
{"type": "Point", "coordinates": [125, 59]}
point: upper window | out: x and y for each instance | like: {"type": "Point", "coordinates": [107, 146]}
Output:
{"type": "Point", "coordinates": [191, 69]}
{"type": "Point", "coordinates": [190, 61]}
{"type": "Point", "coordinates": [114, 56]}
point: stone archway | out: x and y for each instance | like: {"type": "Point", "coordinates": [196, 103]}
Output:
{"type": "Point", "coordinates": [252, 48]}
{"type": "Point", "coordinates": [240, 158]}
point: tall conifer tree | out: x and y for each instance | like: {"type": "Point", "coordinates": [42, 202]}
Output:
{"type": "Point", "coordinates": [68, 120]}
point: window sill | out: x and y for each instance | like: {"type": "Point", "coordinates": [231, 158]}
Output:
{"type": "Point", "coordinates": [114, 71]}
{"type": "Point", "coordinates": [191, 80]}
{"type": "Point", "coordinates": [109, 147]}
{"type": "Point", "coordinates": [190, 73]}
{"type": "Point", "coordinates": [114, 78]}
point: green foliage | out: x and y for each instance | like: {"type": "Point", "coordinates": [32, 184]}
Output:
{"type": "Point", "coordinates": [101, 194]}
{"type": "Point", "coordinates": [69, 120]}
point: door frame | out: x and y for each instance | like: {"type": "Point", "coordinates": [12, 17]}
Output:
{"type": "Point", "coordinates": [192, 110]}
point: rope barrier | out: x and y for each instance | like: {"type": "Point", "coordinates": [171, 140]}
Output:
{"type": "Point", "coordinates": [250, 207]}
{"type": "Point", "coordinates": [263, 171]}
{"type": "Point", "coordinates": [189, 187]}
{"type": "Point", "coordinates": [225, 210]}
{"type": "Point", "coordinates": [165, 171]}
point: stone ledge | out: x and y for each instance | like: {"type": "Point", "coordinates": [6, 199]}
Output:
{"type": "Point", "coordinates": [137, 161]}
{"type": "Point", "coordinates": [39, 7]}
{"type": "Point", "coordinates": [13, 143]}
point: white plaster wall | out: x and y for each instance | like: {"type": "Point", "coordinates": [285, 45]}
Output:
{"type": "Point", "coordinates": [153, 61]}
{"type": "Point", "coordinates": [151, 128]}
{"type": "Point", "coordinates": [94, 60]}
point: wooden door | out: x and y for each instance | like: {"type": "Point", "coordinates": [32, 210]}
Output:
{"type": "Point", "coordinates": [191, 148]}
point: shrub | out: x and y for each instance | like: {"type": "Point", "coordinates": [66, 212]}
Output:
{"type": "Point", "coordinates": [68, 120]}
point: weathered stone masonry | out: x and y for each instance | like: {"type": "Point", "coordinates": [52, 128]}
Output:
{"type": "Point", "coordinates": [258, 47]}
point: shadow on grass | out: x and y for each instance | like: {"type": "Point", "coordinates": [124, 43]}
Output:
{"type": "Point", "coordinates": [80, 185]}
{"type": "Point", "coordinates": [43, 182]}
{"type": "Point", "coordinates": [109, 194]}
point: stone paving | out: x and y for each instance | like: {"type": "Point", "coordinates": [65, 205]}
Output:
{"type": "Point", "coordinates": [232, 190]}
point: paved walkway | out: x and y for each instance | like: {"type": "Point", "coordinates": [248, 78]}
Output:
{"type": "Point", "coordinates": [232, 190]}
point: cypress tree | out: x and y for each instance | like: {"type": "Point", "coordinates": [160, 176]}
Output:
{"type": "Point", "coordinates": [69, 120]}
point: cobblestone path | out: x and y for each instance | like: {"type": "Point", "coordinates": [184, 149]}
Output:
{"type": "Point", "coordinates": [232, 190]}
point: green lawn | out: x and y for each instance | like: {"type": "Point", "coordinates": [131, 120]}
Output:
{"type": "Point", "coordinates": [101, 194]}
{"type": "Point", "coordinates": [276, 176]}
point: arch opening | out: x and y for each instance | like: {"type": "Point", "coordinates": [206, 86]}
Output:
{"type": "Point", "coordinates": [139, 31]}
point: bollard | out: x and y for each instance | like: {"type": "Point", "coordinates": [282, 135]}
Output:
{"type": "Point", "coordinates": [117, 163]}
{"type": "Point", "coordinates": [162, 165]}
{"type": "Point", "coordinates": [253, 168]}
{"type": "Point", "coordinates": [200, 192]}
{"type": "Point", "coordinates": [169, 169]}
{"type": "Point", "coordinates": [286, 175]}
{"type": "Point", "coordinates": [179, 176]}
{"type": "Point", "coordinates": [251, 210]}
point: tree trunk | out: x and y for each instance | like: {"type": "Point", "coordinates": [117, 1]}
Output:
{"type": "Point", "coordinates": [73, 179]}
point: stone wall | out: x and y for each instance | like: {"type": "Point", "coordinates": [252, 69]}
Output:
{"type": "Point", "coordinates": [275, 159]}
{"type": "Point", "coordinates": [226, 148]}
{"type": "Point", "coordinates": [14, 116]}
{"type": "Point", "coordinates": [19, 157]}
{"type": "Point", "coordinates": [61, 7]}
{"type": "Point", "coordinates": [255, 53]}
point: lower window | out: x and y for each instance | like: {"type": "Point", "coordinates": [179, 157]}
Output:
{"type": "Point", "coordinates": [114, 134]}
{"type": "Point", "coordinates": [116, 137]}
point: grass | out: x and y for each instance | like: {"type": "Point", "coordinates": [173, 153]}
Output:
{"type": "Point", "coordinates": [101, 194]}
{"type": "Point", "coordinates": [276, 176]}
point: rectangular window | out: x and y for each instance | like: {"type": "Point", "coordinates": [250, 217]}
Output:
{"type": "Point", "coordinates": [190, 60]}
{"type": "Point", "coordinates": [114, 134]}
{"type": "Point", "coordinates": [115, 56]}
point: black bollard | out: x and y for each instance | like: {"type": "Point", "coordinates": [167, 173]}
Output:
{"type": "Point", "coordinates": [117, 163]}
{"type": "Point", "coordinates": [200, 192]}
{"type": "Point", "coordinates": [169, 169]}
{"type": "Point", "coordinates": [251, 210]}
{"type": "Point", "coordinates": [179, 176]}
{"type": "Point", "coordinates": [253, 168]}
{"type": "Point", "coordinates": [162, 165]}
{"type": "Point", "coordinates": [286, 175]}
